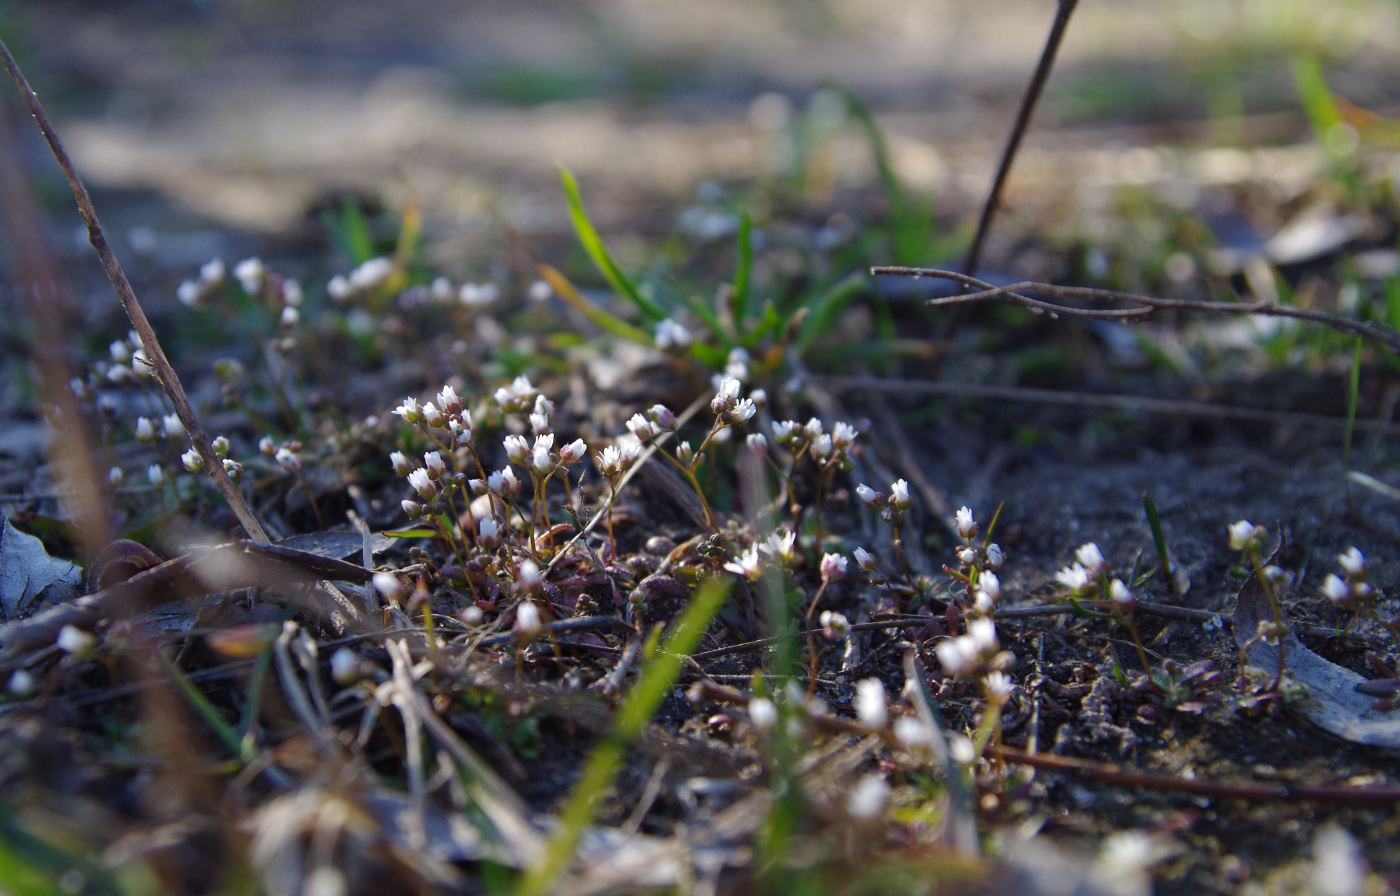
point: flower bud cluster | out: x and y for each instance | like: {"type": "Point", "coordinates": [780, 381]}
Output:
{"type": "Point", "coordinates": [1350, 589]}
{"type": "Point", "coordinates": [1091, 578]}
{"type": "Point", "coordinates": [729, 409]}
{"type": "Point", "coordinates": [830, 449]}
{"type": "Point", "coordinates": [363, 280]}
{"type": "Point", "coordinates": [447, 412]}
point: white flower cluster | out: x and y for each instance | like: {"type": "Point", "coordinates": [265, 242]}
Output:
{"type": "Point", "coordinates": [1091, 578]}
{"type": "Point", "coordinates": [363, 280]}
{"type": "Point", "coordinates": [1351, 588]}
{"type": "Point", "coordinates": [964, 655]}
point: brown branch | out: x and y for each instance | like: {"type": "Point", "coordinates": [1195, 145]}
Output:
{"type": "Point", "coordinates": [1018, 130]}
{"type": "Point", "coordinates": [164, 373]}
{"type": "Point", "coordinates": [1147, 306]}
{"type": "Point", "coordinates": [1112, 774]}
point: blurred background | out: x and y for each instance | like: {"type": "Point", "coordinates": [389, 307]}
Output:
{"type": "Point", "coordinates": [204, 121]}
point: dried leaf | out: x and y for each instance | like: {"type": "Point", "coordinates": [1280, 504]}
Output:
{"type": "Point", "coordinates": [29, 577]}
{"type": "Point", "coordinates": [1332, 702]}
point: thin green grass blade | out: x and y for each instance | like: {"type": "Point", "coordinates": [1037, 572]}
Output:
{"type": "Point", "coordinates": [1159, 541]}
{"type": "Point", "coordinates": [828, 307]}
{"type": "Point", "coordinates": [598, 251]}
{"type": "Point", "coordinates": [742, 274]}
{"type": "Point", "coordinates": [610, 323]}
{"type": "Point", "coordinates": [221, 728]}
{"type": "Point", "coordinates": [657, 678]}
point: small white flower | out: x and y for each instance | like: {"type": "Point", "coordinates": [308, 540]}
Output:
{"type": "Point", "coordinates": [527, 619]}
{"type": "Point", "coordinates": [967, 526]}
{"type": "Point", "coordinates": [999, 686]}
{"type": "Point", "coordinates": [763, 715]}
{"type": "Point", "coordinates": [291, 293]}
{"type": "Point", "coordinates": [983, 633]}
{"type": "Point", "coordinates": [866, 801]}
{"type": "Point", "coordinates": [504, 482]}
{"type": "Point", "coordinates": [784, 431]}
{"type": "Point", "coordinates": [871, 706]}
{"type": "Point", "coordinates": [398, 461]}
{"type": "Point", "coordinates": [530, 578]}
{"type": "Point", "coordinates": [411, 509]}
{"type": "Point", "coordinates": [1119, 593]}
{"type": "Point", "coordinates": [172, 427]}
{"type": "Point", "coordinates": [1335, 589]}
{"type": "Point", "coordinates": [212, 272]}
{"type": "Point", "coordinates": [449, 401]}
{"type": "Point", "coordinates": [782, 544]}
{"type": "Point", "coordinates": [833, 567]}
{"type": "Point", "coordinates": [489, 535]}
{"type": "Point", "coordinates": [267, 447]}
{"type": "Point", "coordinates": [748, 564]}
{"type": "Point", "coordinates": [670, 335]}
{"type": "Point", "coordinates": [75, 642]}
{"type": "Point", "coordinates": [1075, 578]}
{"type": "Point", "coordinates": [421, 482]}
{"type": "Point", "coordinates": [188, 293]}
{"type": "Point", "coordinates": [757, 442]}
{"type": "Point", "coordinates": [743, 411]}
{"type": "Point", "coordinates": [962, 749]}
{"type": "Point", "coordinates": [912, 734]}
{"type": "Point", "coordinates": [290, 317]}
{"type": "Point", "coordinates": [822, 447]}
{"type": "Point", "coordinates": [145, 430]}
{"type": "Point", "coordinates": [834, 625]}
{"type": "Point", "coordinates": [22, 684]}
{"type": "Point", "coordinates": [959, 657]}
{"type": "Point", "coordinates": [539, 291]}
{"type": "Point", "coordinates": [843, 435]}
{"type": "Point", "coordinates": [540, 458]}
{"type": "Point", "coordinates": [517, 449]}
{"type": "Point", "coordinates": [899, 495]}
{"type": "Point", "coordinates": [573, 452]}
{"type": "Point", "coordinates": [1353, 563]}
{"type": "Point", "coordinates": [388, 585]}
{"type": "Point", "coordinates": [433, 415]}
{"type": "Point", "coordinates": [338, 288]}
{"type": "Point", "coordinates": [116, 477]}
{"type": "Point", "coordinates": [345, 667]}
{"type": "Point", "coordinates": [155, 475]}
{"type": "Point", "coordinates": [868, 496]}
{"type": "Point", "coordinates": [641, 427]}
{"type": "Point", "coordinates": [410, 411]}
{"type": "Point", "coordinates": [1092, 559]}
{"type": "Point", "coordinates": [288, 459]}
{"type": "Point", "coordinates": [192, 461]}
{"type": "Point", "coordinates": [120, 352]}
{"type": "Point", "coordinates": [371, 274]}
{"type": "Point", "coordinates": [434, 464]}
{"type": "Point", "coordinates": [995, 556]}
{"type": "Point", "coordinates": [610, 461]}
{"type": "Point", "coordinates": [989, 583]}
{"type": "Point", "coordinates": [233, 468]}
{"type": "Point", "coordinates": [1245, 535]}
{"type": "Point", "coordinates": [250, 272]}
{"type": "Point", "coordinates": [864, 559]}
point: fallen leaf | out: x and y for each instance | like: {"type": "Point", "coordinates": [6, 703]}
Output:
{"type": "Point", "coordinates": [29, 577]}
{"type": "Point", "coordinates": [1332, 701]}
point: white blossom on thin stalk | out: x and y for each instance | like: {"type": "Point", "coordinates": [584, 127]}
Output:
{"type": "Point", "coordinates": [833, 567]}
{"type": "Point", "coordinates": [489, 533]}
{"type": "Point", "coordinates": [389, 586]}
{"type": "Point", "coordinates": [1353, 563]}
{"type": "Point", "coordinates": [763, 714]}
{"type": "Point", "coordinates": [1244, 535]}
{"type": "Point", "coordinates": [1092, 559]}
{"type": "Point", "coordinates": [434, 464]}
{"type": "Point", "coordinates": [871, 706]}
{"type": "Point", "coordinates": [399, 461]}
{"type": "Point", "coordinates": [421, 482]}
{"type": "Point", "coordinates": [517, 449]}
{"type": "Point", "coordinates": [865, 560]}
{"type": "Point", "coordinates": [748, 564]}
{"type": "Point", "coordinates": [899, 495]}
{"type": "Point", "coordinates": [192, 461]}
{"type": "Point", "coordinates": [572, 453]}
{"type": "Point", "coordinates": [967, 526]}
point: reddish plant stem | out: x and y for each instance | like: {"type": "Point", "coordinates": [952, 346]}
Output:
{"type": "Point", "coordinates": [164, 373]}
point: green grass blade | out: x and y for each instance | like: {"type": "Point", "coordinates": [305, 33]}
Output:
{"type": "Point", "coordinates": [640, 704]}
{"type": "Point", "coordinates": [828, 307]}
{"type": "Point", "coordinates": [743, 273]}
{"type": "Point", "coordinates": [1159, 541]}
{"type": "Point", "coordinates": [221, 728]}
{"type": "Point", "coordinates": [598, 252]}
{"type": "Point", "coordinates": [605, 321]}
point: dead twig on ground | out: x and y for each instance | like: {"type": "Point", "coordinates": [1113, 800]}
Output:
{"type": "Point", "coordinates": [1145, 307]}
